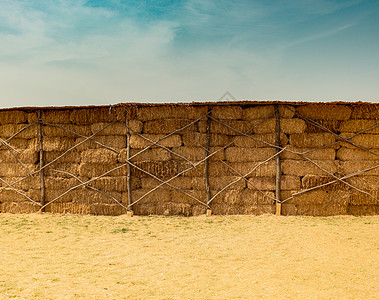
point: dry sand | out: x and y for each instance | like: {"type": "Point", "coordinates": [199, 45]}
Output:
{"type": "Point", "coordinates": [234, 257]}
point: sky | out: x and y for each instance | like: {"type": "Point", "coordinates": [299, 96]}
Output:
{"type": "Point", "coordinates": [76, 52]}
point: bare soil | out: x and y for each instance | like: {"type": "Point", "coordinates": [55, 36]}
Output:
{"type": "Point", "coordinates": [219, 257]}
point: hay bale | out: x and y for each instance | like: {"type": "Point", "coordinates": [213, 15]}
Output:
{"type": "Point", "coordinates": [25, 184]}
{"type": "Point", "coordinates": [332, 125]}
{"type": "Point", "coordinates": [114, 129]}
{"type": "Point", "coordinates": [106, 209]}
{"type": "Point", "coordinates": [257, 210]}
{"type": "Point", "coordinates": [24, 207]}
{"type": "Point", "coordinates": [118, 184]}
{"type": "Point", "coordinates": [8, 130]}
{"type": "Point", "coordinates": [51, 131]}
{"type": "Point", "coordinates": [144, 209]}
{"type": "Point", "coordinates": [52, 194]}
{"type": "Point", "coordinates": [197, 154]}
{"type": "Point", "coordinates": [287, 126]}
{"type": "Point", "coordinates": [156, 197]}
{"type": "Point", "coordinates": [114, 141]}
{"type": "Point", "coordinates": [302, 168]}
{"type": "Point", "coordinates": [320, 154]}
{"type": "Point", "coordinates": [349, 167]}
{"type": "Point", "coordinates": [358, 198]}
{"type": "Point", "coordinates": [56, 183]}
{"type": "Point", "coordinates": [135, 125]}
{"type": "Point", "coordinates": [325, 111]}
{"type": "Point", "coordinates": [20, 144]}
{"type": "Point", "coordinates": [269, 183]}
{"type": "Point", "coordinates": [365, 182]}
{"type": "Point", "coordinates": [246, 142]}
{"type": "Point", "coordinates": [184, 183]}
{"type": "Point", "coordinates": [70, 157]}
{"type": "Point", "coordinates": [363, 210]}
{"type": "Point", "coordinates": [61, 116]}
{"type": "Point", "coordinates": [161, 169]}
{"type": "Point", "coordinates": [168, 126]}
{"type": "Point", "coordinates": [180, 197]}
{"type": "Point", "coordinates": [321, 210]}
{"type": "Point", "coordinates": [227, 112]}
{"type": "Point", "coordinates": [138, 142]}
{"type": "Point", "coordinates": [197, 139]}
{"type": "Point", "coordinates": [369, 141]}
{"type": "Point", "coordinates": [15, 169]}
{"type": "Point", "coordinates": [93, 115]}
{"type": "Point", "coordinates": [310, 180]}
{"type": "Point", "coordinates": [198, 210]}
{"type": "Point", "coordinates": [90, 170]}
{"type": "Point", "coordinates": [216, 127]}
{"type": "Point", "coordinates": [311, 140]}
{"type": "Point", "coordinates": [13, 117]}
{"type": "Point", "coordinates": [356, 154]}
{"type": "Point", "coordinates": [359, 125]}
{"type": "Point", "coordinates": [67, 208]}
{"type": "Point", "coordinates": [153, 154]}
{"type": "Point", "coordinates": [73, 168]}
{"type": "Point", "coordinates": [170, 112]}
{"type": "Point", "coordinates": [8, 195]}
{"type": "Point", "coordinates": [27, 156]}
{"type": "Point", "coordinates": [58, 143]}
{"type": "Point", "coordinates": [266, 169]}
{"type": "Point", "coordinates": [267, 111]}
{"type": "Point", "coordinates": [235, 154]}
{"type": "Point", "coordinates": [89, 197]}
{"type": "Point", "coordinates": [247, 197]}
{"type": "Point", "coordinates": [32, 117]}
{"type": "Point", "coordinates": [99, 156]}
{"type": "Point", "coordinates": [365, 111]}
{"type": "Point", "coordinates": [322, 197]}
{"type": "Point", "coordinates": [218, 183]}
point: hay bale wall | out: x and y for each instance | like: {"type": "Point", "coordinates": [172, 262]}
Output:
{"type": "Point", "coordinates": [83, 144]}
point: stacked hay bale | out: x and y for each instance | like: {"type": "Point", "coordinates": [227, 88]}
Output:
{"type": "Point", "coordinates": [18, 158]}
{"type": "Point", "coordinates": [334, 156]}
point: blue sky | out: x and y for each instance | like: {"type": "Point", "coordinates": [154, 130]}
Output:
{"type": "Point", "coordinates": [78, 52]}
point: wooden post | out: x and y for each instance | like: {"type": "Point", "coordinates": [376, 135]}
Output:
{"type": "Point", "coordinates": [130, 212]}
{"type": "Point", "coordinates": [207, 147]}
{"type": "Point", "coordinates": [41, 160]}
{"type": "Point", "coordinates": [278, 164]}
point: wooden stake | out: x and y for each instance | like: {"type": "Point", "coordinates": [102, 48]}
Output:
{"type": "Point", "coordinates": [41, 160]}
{"type": "Point", "coordinates": [209, 213]}
{"type": "Point", "coordinates": [128, 170]}
{"type": "Point", "coordinates": [206, 168]}
{"type": "Point", "coordinates": [278, 164]}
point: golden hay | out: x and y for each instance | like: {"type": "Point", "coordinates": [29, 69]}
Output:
{"type": "Point", "coordinates": [313, 210]}
{"type": "Point", "coordinates": [356, 154]}
{"type": "Point", "coordinates": [332, 125]}
{"type": "Point", "coordinates": [288, 182]}
{"type": "Point", "coordinates": [227, 112]}
{"type": "Point", "coordinates": [144, 209]}
{"type": "Point", "coordinates": [156, 197]}
{"type": "Point", "coordinates": [88, 196]}
{"type": "Point", "coordinates": [138, 142]}
{"type": "Point", "coordinates": [51, 131]}
{"type": "Point", "coordinates": [55, 116]}
{"type": "Point", "coordinates": [320, 154]}
{"type": "Point", "coordinates": [359, 125]}
{"type": "Point", "coordinates": [52, 194]}
{"type": "Point", "coordinates": [114, 129]}
{"type": "Point", "coordinates": [196, 154]}
{"type": "Point", "coordinates": [246, 142]}
{"type": "Point", "coordinates": [106, 209]}
{"type": "Point", "coordinates": [153, 154]}
{"type": "Point", "coordinates": [9, 130]}
{"type": "Point", "coordinates": [302, 168]}
{"type": "Point", "coordinates": [20, 144]}
{"type": "Point", "coordinates": [198, 210]}
{"type": "Point", "coordinates": [114, 141]}
{"type": "Point", "coordinates": [91, 170]}
{"type": "Point", "coordinates": [99, 156]}
{"type": "Point", "coordinates": [365, 111]}
{"type": "Point", "coordinates": [73, 168]}
{"type": "Point", "coordinates": [349, 167]}
{"type": "Point", "coordinates": [170, 112]}
{"type": "Point", "coordinates": [26, 156]}
{"type": "Point", "coordinates": [196, 139]}
{"type": "Point", "coordinates": [70, 157]}
{"type": "Point", "coordinates": [67, 208]}
{"type": "Point", "coordinates": [263, 112]}
{"type": "Point", "coordinates": [9, 195]}
{"type": "Point", "coordinates": [234, 154]}
{"type": "Point", "coordinates": [31, 182]}
{"type": "Point", "coordinates": [24, 207]}
{"type": "Point", "coordinates": [93, 115]}
{"type": "Point", "coordinates": [310, 180]}
{"type": "Point", "coordinates": [325, 111]}
{"type": "Point", "coordinates": [15, 169]}
{"type": "Point", "coordinates": [287, 126]}
{"type": "Point", "coordinates": [55, 183]}
{"type": "Point", "coordinates": [161, 169]}
{"type": "Point", "coordinates": [57, 143]}
{"type": "Point", "coordinates": [245, 197]}
{"type": "Point", "coordinates": [184, 183]}
{"type": "Point", "coordinates": [358, 198]}
{"type": "Point", "coordinates": [311, 140]}
{"type": "Point", "coordinates": [322, 197]}
{"type": "Point", "coordinates": [13, 117]}
{"type": "Point", "coordinates": [217, 183]}
{"type": "Point", "coordinates": [363, 210]}
{"type": "Point", "coordinates": [368, 141]}
{"type": "Point", "coordinates": [32, 117]}
{"type": "Point", "coordinates": [222, 209]}
{"type": "Point", "coordinates": [168, 126]}
{"type": "Point", "coordinates": [365, 182]}
{"type": "Point", "coordinates": [216, 127]}
{"type": "Point", "coordinates": [118, 184]}
{"type": "Point", "coordinates": [135, 125]}
{"type": "Point", "coordinates": [219, 169]}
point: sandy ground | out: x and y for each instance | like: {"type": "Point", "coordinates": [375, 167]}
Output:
{"type": "Point", "coordinates": [234, 257]}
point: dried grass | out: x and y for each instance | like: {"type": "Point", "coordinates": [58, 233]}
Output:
{"type": "Point", "coordinates": [52, 131]}
{"type": "Point", "coordinates": [320, 154]}
{"type": "Point", "coordinates": [219, 128]}
{"type": "Point", "coordinates": [8, 130]}
{"type": "Point", "coordinates": [287, 126]}
{"type": "Point", "coordinates": [91, 170]}
{"type": "Point", "coordinates": [197, 139]}
{"type": "Point", "coordinates": [161, 169]}
{"type": "Point", "coordinates": [67, 208]}
{"type": "Point", "coordinates": [170, 112]}
{"type": "Point", "coordinates": [98, 156]}
{"type": "Point", "coordinates": [288, 182]}
{"type": "Point", "coordinates": [263, 112]}
{"type": "Point", "coordinates": [93, 115]}
{"type": "Point", "coordinates": [358, 198]}
{"type": "Point", "coordinates": [356, 154]}
{"type": "Point", "coordinates": [13, 117]}
{"type": "Point", "coordinates": [15, 169]}
{"type": "Point", "coordinates": [197, 154]}
{"type": "Point", "coordinates": [27, 156]}
{"type": "Point", "coordinates": [227, 112]}
{"type": "Point", "coordinates": [54, 116]}
{"type": "Point", "coordinates": [332, 125]}
{"type": "Point", "coordinates": [368, 141]}
{"type": "Point", "coordinates": [114, 129]}
{"type": "Point", "coordinates": [114, 141]}
{"type": "Point", "coordinates": [138, 142]}
{"type": "Point", "coordinates": [302, 168]}
{"type": "Point", "coordinates": [235, 154]}
{"type": "Point", "coordinates": [58, 143]}
{"type": "Point", "coordinates": [365, 111]}
{"type": "Point", "coordinates": [154, 154]}
{"type": "Point", "coordinates": [349, 167]}
{"type": "Point", "coordinates": [73, 156]}
{"type": "Point", "coordinates": [313, 210]}
{"type": "Point", "coordinates": [20, 144]}
{"type": "Point", "coordinates": [311, 140]}
{"type": "Point", "coordinates": [359, 125]}
{"type": "Point", "coordinates": [21, 207]}
{"type": "Point", "coordinates": [246, 142]}
{"type": "Point", "coordinates": [310, 180]}
{"type": "Point", "coordinates": [325, 111]}
{"type": "Point", "coordinates": [73, 168]}
{"type": "Point", "coordinates": [168, 126]}
{"type": "Point", "coordinates": [118, 184]}
{"type": "Point", "coordinates": [322, 197]}
{"type": "Point", "coordinates": [363, 210]}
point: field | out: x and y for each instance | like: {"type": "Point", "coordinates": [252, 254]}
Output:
{"type": "Point", "coordinates": [219, 257]}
